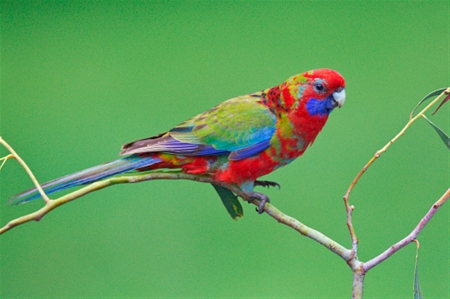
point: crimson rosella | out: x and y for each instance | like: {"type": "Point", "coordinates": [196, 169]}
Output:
{"type": "Point", "coordinates": [235, 142]}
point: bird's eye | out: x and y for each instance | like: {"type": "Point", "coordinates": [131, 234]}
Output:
{"type": "Point", "coordinates": [318, 87]}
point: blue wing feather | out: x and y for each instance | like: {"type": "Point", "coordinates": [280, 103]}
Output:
{"type": "Point", "coordinates": [87, 176]}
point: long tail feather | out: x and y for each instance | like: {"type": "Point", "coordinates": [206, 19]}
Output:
{"type": "Point", "coordinates": [86, 176]}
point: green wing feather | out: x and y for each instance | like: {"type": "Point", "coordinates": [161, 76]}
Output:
{"type": "Point", "coordinates": [240, 127]}
{"type": "Point", "coordinates": [234, 125]}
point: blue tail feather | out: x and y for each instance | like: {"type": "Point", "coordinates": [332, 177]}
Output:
{"type": "Point", "coordinates": [87, 176]}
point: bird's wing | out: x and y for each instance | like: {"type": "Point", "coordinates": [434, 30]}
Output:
{"type": "Point", "coordinates": [241, 127]}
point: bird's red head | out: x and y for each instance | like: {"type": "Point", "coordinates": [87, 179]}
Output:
{"type": "Point", "coordinates": [322, 83]}
{"type": "Point", "coordinates": [320, 90]}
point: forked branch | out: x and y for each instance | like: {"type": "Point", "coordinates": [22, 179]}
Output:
{"type": "Point", "coordinates": [349, 208]}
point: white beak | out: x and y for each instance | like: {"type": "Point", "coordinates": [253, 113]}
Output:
{"type": "Point", "coordinates": [339, 97]}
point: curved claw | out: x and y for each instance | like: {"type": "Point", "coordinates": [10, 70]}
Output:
{"type": "Point", "coordinates": [262, 200]}
{"type": "Point", "coordinates": [267, 184]}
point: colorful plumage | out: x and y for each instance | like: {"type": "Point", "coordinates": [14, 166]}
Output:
{"type": "Point", "coordinates": [236, 142]}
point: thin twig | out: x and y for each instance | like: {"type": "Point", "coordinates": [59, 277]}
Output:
{"type": "Point", "coordinates": [409, 238]}
{"type": "Point", "coordinates": [25, 166]}
{"type": "Point", "coordinates": [5, 158]}
{"type": "Point", "coordinates": [384, 148]}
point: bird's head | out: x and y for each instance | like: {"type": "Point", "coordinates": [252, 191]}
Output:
{"type": "Point", "coordinates": [319, 91]}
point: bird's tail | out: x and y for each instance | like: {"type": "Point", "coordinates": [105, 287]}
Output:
{"type": "Point", "coordinates": [87, 176]}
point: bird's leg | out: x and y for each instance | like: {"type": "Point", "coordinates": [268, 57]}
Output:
{"type": "Point", "coordinates": [259, 196]}
{"type": "Point", "coordinates": [267, 184]}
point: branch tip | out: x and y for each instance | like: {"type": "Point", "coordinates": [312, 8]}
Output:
{"type": "Point", "coordinates": [26, 168]}
{"type": "Point", "coordinates": [5, 158]}
{"type": "Point", "coordinates": [409, 238]}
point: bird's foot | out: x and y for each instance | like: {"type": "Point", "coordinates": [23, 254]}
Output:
{"type": "Point", "coordinates": [267, 184]}
{"type": "Point", "coordinates": [262, 200]}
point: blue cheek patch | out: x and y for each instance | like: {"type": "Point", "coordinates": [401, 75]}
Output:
{"type": "Point", "coordinates": [320, 107]}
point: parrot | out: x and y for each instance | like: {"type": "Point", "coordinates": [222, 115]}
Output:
{"type": "Point", "coordinates": [235, 142]}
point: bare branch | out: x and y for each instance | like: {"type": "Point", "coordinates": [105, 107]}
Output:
{"type": "Point", "coordinates": [358, 275]}
{"type": "Point", "coordinates": [358, 283]}
{"type": "Point", "coordinates": [25, 166]}
{"type": "Point", "coordinates": [411, 237]}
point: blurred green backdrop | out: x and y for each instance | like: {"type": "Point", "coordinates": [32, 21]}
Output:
{"type": "Point", "coordinates": [81, 78]}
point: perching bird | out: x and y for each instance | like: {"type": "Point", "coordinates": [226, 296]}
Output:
{"type": "Point", "coordinates": [235, 142]}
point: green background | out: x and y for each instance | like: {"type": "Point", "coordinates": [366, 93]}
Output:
{"type": "Point", "coordinates": [79, 79]}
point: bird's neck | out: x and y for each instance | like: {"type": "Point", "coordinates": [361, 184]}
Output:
{"type": "Point", "coordinates": [278, 99]}
{"type": "Point", "coordinates": [293, 116]}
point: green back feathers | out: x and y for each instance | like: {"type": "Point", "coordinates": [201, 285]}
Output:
{"type": "Point", "coordinates": [233, 125]}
